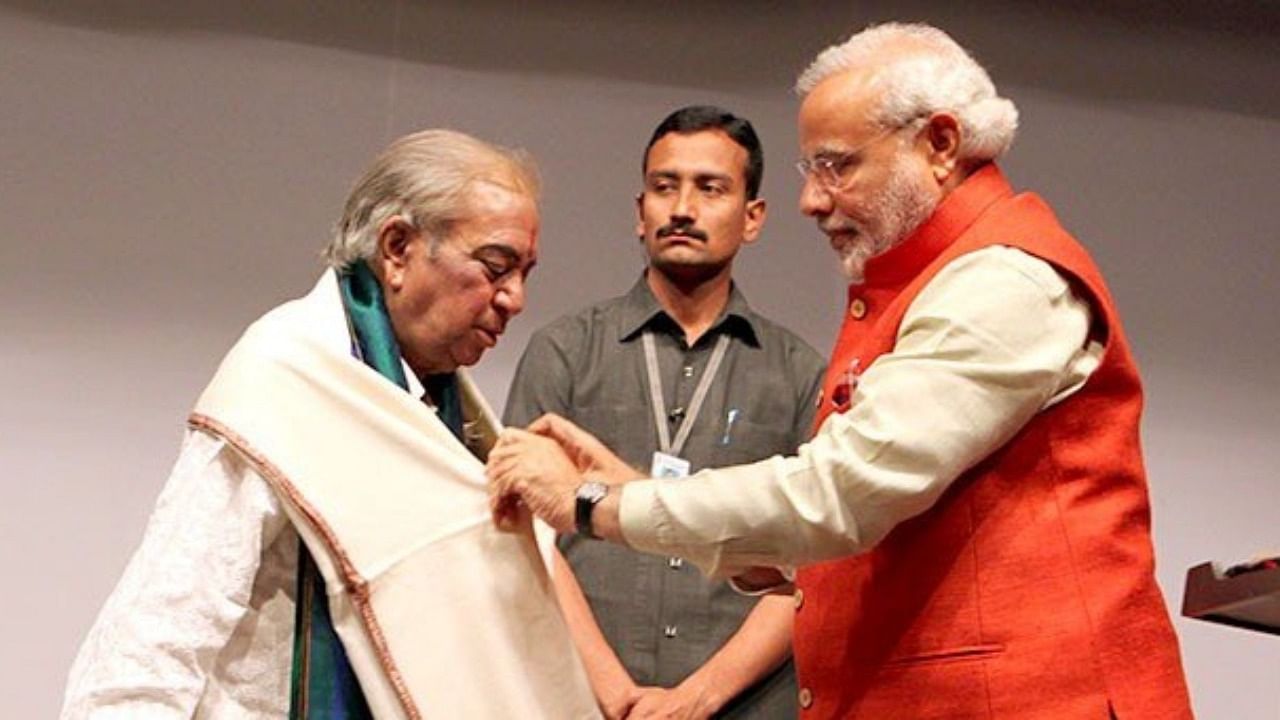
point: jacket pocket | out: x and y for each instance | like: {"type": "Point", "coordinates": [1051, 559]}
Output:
{"type": "Point", "coordinates": [957, 654]}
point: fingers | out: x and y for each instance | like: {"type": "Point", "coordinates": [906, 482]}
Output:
{"type": "Point", "coordinates": [544, 424]}
{"type": "Point", "coordinates": [512, 437]}
{"type": "Point", "coordinates": [649, 704]}
{"type": "Point", "coordinates": [508, 513]}
{"type": "Point", "coordinates": [582, 447]}
{"type": "Point", "coordinates": [512, 443]}
{"type": "Point", "coordinates": [526, 474]}
{"type": "Point", "coordinates": [504, 505]}
{"type": "Point", "coordinates": [559, 429]}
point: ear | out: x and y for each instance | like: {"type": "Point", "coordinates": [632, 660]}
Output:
{"type": "Point", "coordinates": [755, 215]}
{"type": "Point", "coordinates": [941, 137]}
{"type": "Point", "coordinates": [395, 236]}
{"type": "Point", "coordinates": [640, 215]}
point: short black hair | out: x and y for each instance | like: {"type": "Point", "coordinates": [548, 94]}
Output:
{"type": "Point", "coordinates": [696, 118]}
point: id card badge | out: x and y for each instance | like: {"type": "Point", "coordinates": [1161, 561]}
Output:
{"type": "Point", "coordinates": [668, 466]}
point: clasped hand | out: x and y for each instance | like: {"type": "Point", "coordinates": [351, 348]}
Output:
{"type": "Point", "coordinates": [541, 468]}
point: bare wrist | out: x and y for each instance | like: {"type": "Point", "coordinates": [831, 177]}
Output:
{"type": "Point", "coordinates": [709, 690]}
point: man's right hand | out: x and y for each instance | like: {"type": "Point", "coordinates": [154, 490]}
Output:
{"type": "Point", "coordinates": [616, 703]}
{"type": "Point", "coordinates": [589, 454]}
{"type": "Point", "coordinates": [536, 471]}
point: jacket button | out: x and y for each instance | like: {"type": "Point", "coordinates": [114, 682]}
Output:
{"type": "Point", "coordinates": [670, 631]}
{"type": "Point", "coordinates": [799, 598]}
{"type": "Point", "coordinates": [858, 308]}
{"type": "Point", "coordinates": [806, 698]}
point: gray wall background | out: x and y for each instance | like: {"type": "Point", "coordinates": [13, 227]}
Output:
{"type": "Point", "coordinates": [168, 171]}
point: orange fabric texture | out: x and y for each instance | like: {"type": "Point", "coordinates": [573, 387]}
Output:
{"type": "Point", "coordinates": [1028, 590]}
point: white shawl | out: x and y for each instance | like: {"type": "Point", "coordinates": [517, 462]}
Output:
{"type": "Point", "coordinates": [441, 615]}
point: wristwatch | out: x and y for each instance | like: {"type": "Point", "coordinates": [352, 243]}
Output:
{"type": "Point", "coordinates": [589, 495]}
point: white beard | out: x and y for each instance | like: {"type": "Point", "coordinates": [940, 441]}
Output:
{"type": "Point", "coordinates": [903, 205]}
{"type": "Point", "coordinates": [854, 252]}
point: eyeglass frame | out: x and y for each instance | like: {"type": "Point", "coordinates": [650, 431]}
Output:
{"type": "Point", "coordinates": [828, 167]}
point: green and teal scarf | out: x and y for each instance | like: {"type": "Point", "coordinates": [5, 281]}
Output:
{"type": "Point", "coordinates": [323, 684]}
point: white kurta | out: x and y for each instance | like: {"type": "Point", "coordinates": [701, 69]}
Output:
{"type": "Point", "coordinates": [201, 623]}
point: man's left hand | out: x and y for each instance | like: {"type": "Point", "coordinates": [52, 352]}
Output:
{"type": "Point", "coordinates": [535, 470]}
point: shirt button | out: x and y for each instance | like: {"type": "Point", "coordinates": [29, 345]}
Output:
{"type": "Point", "coordinates": [805, 698]}
{"type": "Point", "coordinates": [858, 308]}
{"type": "Point", "coordinates": [799, 598]}
{"type": "Point", "coordinates": [670, 631]}
{"type": "Point", "coordinates": [688, 371]}
{"type": "Point", "coordinates": [675, 563]}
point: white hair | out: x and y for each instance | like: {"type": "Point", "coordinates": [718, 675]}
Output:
{"type": "Point", "coordinates": [920, 70]}
{"type": "Point", "coordinates": [424, 178]}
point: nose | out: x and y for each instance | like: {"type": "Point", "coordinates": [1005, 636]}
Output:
{"type": "Point", "coordinates": [686, 205]}
{"type": "Point", "coordinates": [509, 298]}
{"type": "Point", "coordinates": [815, 199]}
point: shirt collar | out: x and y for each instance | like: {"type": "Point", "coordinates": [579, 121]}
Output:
{"type": "Point", "coordinates": [640, 310]}
{"type": "Point", "coordinates": [416, 388]}
{"type": "Point", "coordinates": [957, 211]}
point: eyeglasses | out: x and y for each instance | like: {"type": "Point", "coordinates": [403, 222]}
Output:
{"type": "Point", "coordinates": [832, 170]}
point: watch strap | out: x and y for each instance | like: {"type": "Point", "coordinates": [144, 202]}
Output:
{"type": "Point", "coordinates": [588, 496]}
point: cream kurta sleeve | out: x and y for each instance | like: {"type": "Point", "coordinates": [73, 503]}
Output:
{"type": "Point", "coordinates": [201, 622]}
{"type": "Point", "coordinates": [994, 338]}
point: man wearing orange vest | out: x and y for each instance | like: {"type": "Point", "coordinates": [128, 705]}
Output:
{"type": "Point", "coordinates": [972, 511]}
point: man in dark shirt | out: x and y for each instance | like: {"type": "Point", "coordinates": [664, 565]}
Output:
{"type": "Point", "coordinates": [678, 375]}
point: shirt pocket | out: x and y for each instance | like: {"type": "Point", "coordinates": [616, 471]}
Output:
{"type": "Point", "coordinates": [742, 440]}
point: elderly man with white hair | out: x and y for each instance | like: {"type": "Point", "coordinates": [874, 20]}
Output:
{"type": "Point", "coordinates": [322, 548]}
{"type": "Point", "coordinates": [972, 514]}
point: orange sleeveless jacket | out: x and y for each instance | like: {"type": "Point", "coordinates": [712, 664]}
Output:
{"type": "Point", "coordinates": [1028, 590]}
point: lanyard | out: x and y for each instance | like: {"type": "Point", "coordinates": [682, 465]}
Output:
{"type": "Point", "coordinates": [695, 403]}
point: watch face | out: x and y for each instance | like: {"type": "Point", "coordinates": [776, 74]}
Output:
{"type": "Point", "coordinates": [593, 492]}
